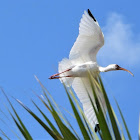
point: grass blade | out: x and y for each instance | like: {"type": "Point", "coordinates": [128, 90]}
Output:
{"type": "Point", "coordinates": [68, 135]}
{"type": "Point", "coordinates": [88, 128]}
{"type": "Point", "coordinates": [128, 134]}
{"type": "Point", "coordinates": [52, 133]}
{"type": "Point", "coordinates": [112, 118]}
{"type": "Point", "coordinates": [48, 121]}
{"type": "Point", "coordinates": [99, 113]}
{"type": "Point", "coordinates": [4, 135]}
{"type": "Point", "coordinates": [78, 118]}
{"type": "Point", "coordinates": [81, 112]}
{"type": "Point", "coordinates": [20, 121]}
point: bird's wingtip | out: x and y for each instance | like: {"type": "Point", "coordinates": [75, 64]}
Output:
{"type": "Point", "coordinates": [90, 14]}
{"type": "Point", "coordinates": [97, 127]}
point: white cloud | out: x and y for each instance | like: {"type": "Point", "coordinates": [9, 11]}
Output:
{"type": "Point", "coordinates": [122, 45]}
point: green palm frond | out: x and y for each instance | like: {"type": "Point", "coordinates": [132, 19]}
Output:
{"type": "Point", "coordinates": [110, 127]}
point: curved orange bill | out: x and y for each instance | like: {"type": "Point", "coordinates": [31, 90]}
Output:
{"type": "Point", "coordinates": [125, 70]}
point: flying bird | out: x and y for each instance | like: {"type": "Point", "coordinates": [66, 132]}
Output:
{"type": "Point", "coordinates": [82, 58]}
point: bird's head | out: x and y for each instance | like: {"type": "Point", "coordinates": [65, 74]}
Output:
{"type": "Point", "coordinates": [113, 67]}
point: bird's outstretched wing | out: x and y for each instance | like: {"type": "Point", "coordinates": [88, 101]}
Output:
{"type": "Point", "coordinates": [89, 40]}
{"type": "Point", "coordinates": [82, 88]}
{"type": "Point", "coordinates": [79, 85]}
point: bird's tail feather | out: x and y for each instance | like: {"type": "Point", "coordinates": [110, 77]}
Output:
{"type": "Point", "coordinates": [63, 66]}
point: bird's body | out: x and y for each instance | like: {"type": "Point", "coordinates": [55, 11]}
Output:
{"type": "Point", "coordinates": [82, 59]}
{"type": "Point", "coordinates": [81, 70]}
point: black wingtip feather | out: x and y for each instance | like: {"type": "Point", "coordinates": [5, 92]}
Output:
{"type": "Point", "coordinates": [90, 14]}
{"type": "Point", "coordinates": [97, 128]}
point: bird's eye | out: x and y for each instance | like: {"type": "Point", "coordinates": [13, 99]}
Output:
{"type": "Point", "coordinates": [117, 66]}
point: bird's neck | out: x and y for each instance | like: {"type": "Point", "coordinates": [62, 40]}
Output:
{"type": "Point", "coordinates": [104, 69]}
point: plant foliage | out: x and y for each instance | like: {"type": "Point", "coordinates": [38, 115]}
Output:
{"type": "Point", "coordinates": [110, 127]}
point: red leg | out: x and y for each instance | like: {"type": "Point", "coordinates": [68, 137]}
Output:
{"type": "Point", "coordinates": [55, 76]}
{"type": "Point", "coordinates": [58, 77]}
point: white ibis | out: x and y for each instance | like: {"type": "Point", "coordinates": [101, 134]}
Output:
{"type": "Point", "coordinates": [82, 58]}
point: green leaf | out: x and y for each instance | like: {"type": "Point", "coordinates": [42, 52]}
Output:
{"type": "Point", "coordinates": [20, 128]}
{"type": "Point", "coordinates": [129, 136]}
{"type": "Point", "coordinates": [81, 111]}
{"type": "Point", "coordinates": [60, 115]}
{"type": "Point", "coordinates": [68, 135]}
{"type": "Point", "coordinates": [46, 92]}
{"type": "Point", "coordinates": [4, 135]}
{"type": "Point", "coordinates": [99, 113]}
{"type": "Point", "coordinates": [48, 121]}
{"type": "Point", "coordinates": [52, 133]}
{"type": "Point", "coordinates": [88, 128]}
{"type": "Point", "coordinates": [20, 121]}
{"type": "Point", "coordinates": [78, 118]}
{"type": "Point", "coordinates": [76, 134]}
{"type": "Point", "coordinates": [119, 125]}
{"type": "Point", "coordinates": [112, 118]}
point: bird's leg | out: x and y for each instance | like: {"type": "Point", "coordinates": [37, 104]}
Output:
{"type": "Point", "coordinates": [55, 76]}
{"type": "Point", "coordinates": [58, 77]}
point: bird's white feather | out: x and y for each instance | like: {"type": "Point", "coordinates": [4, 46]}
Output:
{"type": "Point", "coordinates": [88, 42]}
{"type": "Point", "coordinates": [64, 65]}
{"type": "Point", "coordinates": [82, 87]}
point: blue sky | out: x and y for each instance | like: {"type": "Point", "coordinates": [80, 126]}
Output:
{"type": "Point", "coordinates": [36, 35]}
